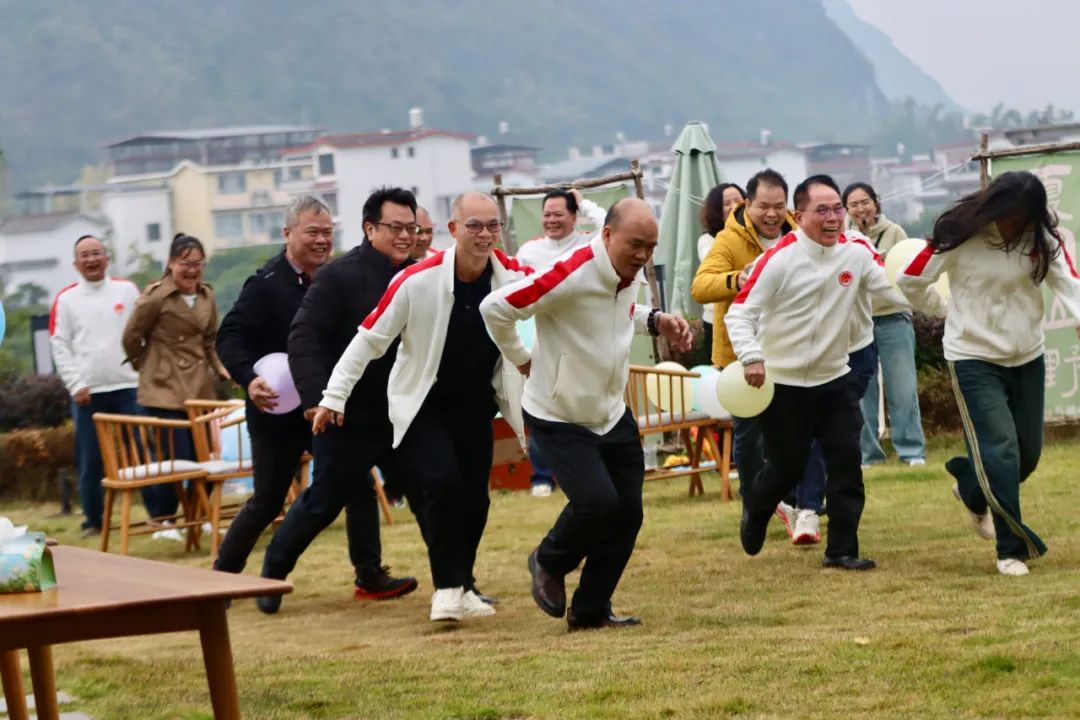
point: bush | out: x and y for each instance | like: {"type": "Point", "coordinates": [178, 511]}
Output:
{"type": "Point", "coordinates": [698, 353]}
{"type": "Point", "coordinates": [929, 332]}
{"type": "Point", "coordinates": [32, 460]}
{"type": "Point", "coordinates": [33, 401]}
{"type": "Point", "coordinates": [936, 401]}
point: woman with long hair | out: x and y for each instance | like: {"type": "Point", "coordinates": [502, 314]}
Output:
{"type": "Point", "coordinates": [714, 213]}
{"type": "Point", "coordinates": [999, 246]}
{"type": "Point", "coordinates": [894, 336]}
{"type": "Point", "coordinates": [169, 339]}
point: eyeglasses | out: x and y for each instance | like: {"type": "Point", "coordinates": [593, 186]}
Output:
{"type": "Point", "coordinates": [856, 204]}
{"type": "Point", "coordinates": [192, 264]}
{"type": "Point", "coordinates": [398, 228]}
{"type": "Point", "coordinates": [824, 212]}
{"type": "Point", "coordinates": [476, 227]}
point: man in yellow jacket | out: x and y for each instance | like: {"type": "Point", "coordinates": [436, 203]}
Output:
{"type": "Point", "coordinates": [753, 227]}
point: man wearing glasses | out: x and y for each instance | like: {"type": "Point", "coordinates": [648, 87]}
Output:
{"type": "Point", "coordinates": [793, 317]}
{"type": "Point", "coordinates": [86, 325]}
{"type": "Point", "coordinates": [424, 235]}
{"type": "Point", "coordinates": [448, 382]}
{"type": "Point", "coordinates": [341, 295]}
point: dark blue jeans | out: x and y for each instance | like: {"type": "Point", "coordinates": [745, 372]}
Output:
{"type": "Point", "coordinates": [541, 470]}
{"type": "Point", "coordinates": [1002, 412]}
{"type": "Point", "coordinates": [163, 500]}
{"type": "Point", "coordinates": [88, 452]}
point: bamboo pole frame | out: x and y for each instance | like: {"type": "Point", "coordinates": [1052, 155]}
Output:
{"type": "Point", "coordinates": [985, 155]}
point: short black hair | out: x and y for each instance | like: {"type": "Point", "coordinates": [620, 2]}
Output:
{"type": "Point", "coordinates": [372, 212]}
{"type": "Point", "coordinates": [769, 177]}
{"type": "Point", "coordinates": [802, 193]}
{"type": "Point", "coordinates": [866, 188]}
{"type": "Point", "coordinates": [81, 238]}
{"type": "Point", "coordinates": [571, 201]}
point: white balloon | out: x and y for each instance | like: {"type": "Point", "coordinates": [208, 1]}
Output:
{"type": "Point", "coordinates": [695, 383]}
{"type": "Point", "coordinates": [659, 389]}
{"type": "Point", "coordinates": [740, 399]}
{"type": "Point", "coordinates": [901, 255]}
{"type": "Point", "coordinates": [274, 369]}
{"type": "Point", "coordinates": [708, 402]}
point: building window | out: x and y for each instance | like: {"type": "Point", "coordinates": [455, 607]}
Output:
{"type": "Point", "coordinates": [394, 153]}
{"type": "Point", "coordinates": [411, 151]}
{"type": "Point", "coordinates": [277, 179]}
{"type": "Point", "coordinates": [234, 182]}
{"type": "Point", "coordinates": [265, 223]}
{"type": "Point", "coordinates": [330, 199]}
{"type": "Point", "coordinates": [153, 232]}
{"type": "Point", "coordinates": [326, 164]}
{"type": "Point", "coordinates": [229, 225]}
{"type": "Point", "coordinates": [294, 172]}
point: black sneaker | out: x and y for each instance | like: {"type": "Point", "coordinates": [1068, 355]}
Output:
{"type": "Point", "coordinates": [268, 604]}
{"type": "Point", "coordinates": [379, 585]}
{"type": "Point", "coordinates": [752, 531]}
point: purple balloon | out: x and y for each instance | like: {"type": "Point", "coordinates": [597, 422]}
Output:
{"type": "Point", "coordinates": [274, 369]}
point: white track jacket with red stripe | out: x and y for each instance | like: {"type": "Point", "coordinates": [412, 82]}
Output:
{"type": "Point", "coordinates": [586, 317]}
{"type": "Point", "coordinates": [995, 310]}
{"type": "Point", "coordinates": [417, 307]}
{"type": "Point", "coordinates": [794, 313]}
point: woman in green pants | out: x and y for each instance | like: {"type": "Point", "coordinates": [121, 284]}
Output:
{"type": "Point", "coordinates": [999, 246]}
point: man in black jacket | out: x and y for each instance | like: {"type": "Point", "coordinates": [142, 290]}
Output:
{"type": "Point", "coordinates": [345, 291]}
{"type": "Point", "coordinates": [257, 325]}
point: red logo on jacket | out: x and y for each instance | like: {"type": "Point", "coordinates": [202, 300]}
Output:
{"type": "Point", "coordinates": [118, 308]}
{"type": "Point", "coordinates": [845, 278]}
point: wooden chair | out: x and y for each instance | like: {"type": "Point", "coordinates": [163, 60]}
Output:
{"type": "Point", "coordinates": [210, 419]}
{"type": "Point", "coordinates": [136, 452]}
{"type": "Point", "coordinates": [680, 419]}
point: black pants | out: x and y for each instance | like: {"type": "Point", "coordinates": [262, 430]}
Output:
{"type": "Point", "coordinates": [275, 457]}
{"type": "Point", "coordinates": [602, 476]}
{"type": "Point", "coordinates": [796, 417]}
{"type": "Point", "coordinates": [344, 457]}
{"type": "Point", "coordinates": [447, 453]}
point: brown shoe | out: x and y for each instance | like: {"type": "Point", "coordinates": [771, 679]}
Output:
{"type": "Point", "coordinates": [549, 591]}
{"type": "Point", "coordinates": [608, 620]}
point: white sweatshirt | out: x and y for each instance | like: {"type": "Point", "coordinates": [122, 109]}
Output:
{"type": "Point", "coordinates": [704, 244]}
{"type": "Point", "coordinates": [542, 252]}
{"type": "Point", "coordinates": [86, 325]}
{"type": "Point", "coordinates": [801, 296]}
{"type": "Point", "coordinates": [995, 309]}
{"type": "Point", "coordinates": [870, 306]}
{"type": "Point", "coordinates": [585, 319]}
{"type": "Point", "coordinates": [417, 307]}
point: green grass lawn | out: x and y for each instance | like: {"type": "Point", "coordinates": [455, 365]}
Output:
{"type": "Point", "coordinates": [934, 632]}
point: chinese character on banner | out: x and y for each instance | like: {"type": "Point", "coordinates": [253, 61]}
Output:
{"type": "Point", "coordinates": [1073, 362]}
{"type": "Point", "coordinates": [1053, 362]}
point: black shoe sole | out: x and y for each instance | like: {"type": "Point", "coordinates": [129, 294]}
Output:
{"type": "Point", "coordinates": [552, 610]}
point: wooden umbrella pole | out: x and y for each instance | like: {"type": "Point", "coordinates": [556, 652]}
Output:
{"type": "Point", "coordinates": [500, 191]}
{"type": "Point", "coordinates": [984, 162]}
{"type": "Point", "coordinates": [507, 241]}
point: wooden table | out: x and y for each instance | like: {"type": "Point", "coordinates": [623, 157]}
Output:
{"type": "Point", "coordinates": [107, 596]}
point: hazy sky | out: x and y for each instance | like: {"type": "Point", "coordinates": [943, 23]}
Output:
{"type": "Point", "coordinates": [984, 51]}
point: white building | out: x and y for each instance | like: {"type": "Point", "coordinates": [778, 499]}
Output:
{"type": "Point", "coordinates": [435, 164]}
{"type": "Point", "coordinates": [740, 161]}
{"type": "Point", "coordinates": [40, 249]}
{"type": "Point", "coordinates": [142, 223]}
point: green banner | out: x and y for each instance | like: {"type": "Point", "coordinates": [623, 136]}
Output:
{"type": "Point", "coordinates": [525, 222]}
{"type": "Point", "coordinates": [1060, 173]}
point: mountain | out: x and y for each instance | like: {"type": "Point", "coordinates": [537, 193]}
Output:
{"type": "Point", "coordinates": [897, 76]}
{"type": "Point", "coordinates": [75, 75]}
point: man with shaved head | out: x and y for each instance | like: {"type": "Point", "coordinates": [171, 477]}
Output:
{"type": "Point", "coordinates": [574, 409]}
{"type": "Point", "coordinates": [425, 233]}
{"type": "Point", "coordinates": [447, 384]}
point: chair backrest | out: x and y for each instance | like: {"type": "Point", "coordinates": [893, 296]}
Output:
{"type": "Point", "coordinates": [129, 441]}
{"type": "Point", "coordinates": [659, 398]}
{"type": "Point", "coordinates": [209, 419]}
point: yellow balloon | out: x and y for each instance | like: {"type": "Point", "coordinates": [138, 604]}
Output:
{"type": "Point", "coordinates": [659, 389]}
{"type": "Point", "coordinates": [740, 399]}
{"type": "Point", "coordinates": [901, 255]}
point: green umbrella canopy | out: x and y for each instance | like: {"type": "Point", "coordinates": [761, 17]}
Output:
{"type": "Point", "coordinates": [695, 174]}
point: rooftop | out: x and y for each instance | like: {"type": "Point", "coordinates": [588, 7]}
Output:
{"type": "Point", "coordinates": [44, 222]}
{"type": "Point", "coordinates": [342, 141]}
{"type": "Point", "coordinates": [208, 133]}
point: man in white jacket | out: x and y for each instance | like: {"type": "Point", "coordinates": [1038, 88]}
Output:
{"type": "Point", "coordinates": [445, 387]}
{"type": "Point", "coordinates": [560, 212]}
{"type": "Point", "coordinates": [793, 316]}
{"type": "Point", "coordinates": [574, 409]}
{"type": "Point", "coordinates": [85, 327]}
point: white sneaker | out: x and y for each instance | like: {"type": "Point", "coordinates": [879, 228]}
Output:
{"type": "Point", "coordinates": [915, 462]}
{"type": "Point", "coordinates": [982, 524]}
{"type": "Point", "coordinates": [807, 528]}
{"type": "Point", "coordinates": [447, 605]}
{"type": "Point", "coordinates": [170, 533]}
{"type": "Point", "coordinates": [541, 490]}
{"type": "Point", "coordinates": [474, 606]}
{"type": "Point", "coordinates": [1012, 566]}
{"type": "Point", "coordinates": [786, 513]}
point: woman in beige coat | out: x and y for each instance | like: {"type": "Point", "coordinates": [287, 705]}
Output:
{"type": "Point", "coordinates": [170, 340]}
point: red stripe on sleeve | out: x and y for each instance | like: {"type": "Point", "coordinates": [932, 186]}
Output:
{"type": "Point", "coordinates": [788, 240]}
{"type": "Point", "coordinates": [1069, 261]}
{"type": "Point", "coordinates": [388, 296]}
{"type": "Point", "coordinates": [548, 281]}
{"type": "Point", "coordinates": [916, 266]}
{"type": "Point", "coordinates": [52, 310]}
{"type": "Point", "coordinates": [868, 246]}
{"type": "Point", "coordinates": [512, 263]}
